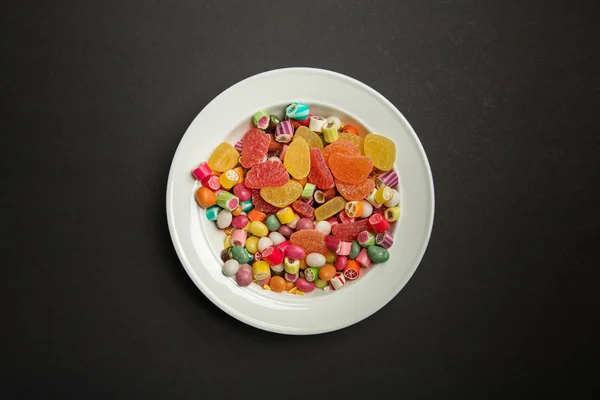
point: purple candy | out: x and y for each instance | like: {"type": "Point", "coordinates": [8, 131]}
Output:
{"type": "Point", "coordinates": [389, 178]}
{"type": "Point", "coordinates": [285, 231]}
{"type": "Point", "coordinates": [244, 275]}
{"type": "Point", "coordinates": [384, 239]}
{"type": "Point", "coordinates": [284, 132]}
{"type": "Point", "coordinates": [304, 223]}
{"type": "Point", "coordinates": [238, 145]}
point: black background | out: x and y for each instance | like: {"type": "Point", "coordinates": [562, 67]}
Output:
{"type": "Point", "coordinates": [94, 302]}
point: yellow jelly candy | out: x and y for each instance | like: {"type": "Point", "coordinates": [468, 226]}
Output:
{"type": "Point", "coordinates": [297, 158]}
{"type": "Point", "coordinates": [311, 138]}
{"type": "Point", "coordinates": [330, 208]}
{"type": "Point", "coordinates": [223, 158]}
{"type": "Point", "coordinates": [357, 140]}
{"type": "Point", "coordinates": [381, 150]}
{"type": "Point", "coordinates": [281, 196]}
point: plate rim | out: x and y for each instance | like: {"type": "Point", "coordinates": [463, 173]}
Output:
{"type": "Point", "coordinates": [265, 325]}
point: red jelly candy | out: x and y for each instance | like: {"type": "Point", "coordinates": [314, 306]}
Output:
{"type": "Point", "coordinates": [303, 209]}
{"type": "Point", "coordinates": [261, 205]}
{"type": "Point", "coordinates": [348, 232]}
{"type": "Point", "coordinates": [256, 145]}
{"type": "Point", "coordinates": [319, 174]}
{"type": "Point", "coordinates": [268, 173]}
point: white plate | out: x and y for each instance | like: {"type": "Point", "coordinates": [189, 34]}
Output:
{"type": "Point", "coordinates": [198, 242]}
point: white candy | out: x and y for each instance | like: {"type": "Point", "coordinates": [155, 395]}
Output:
{"type": "Point", "coordinates": [337, 122]}
{"type": "Point", "coordinates": [231, 267]}
{"type": "Point", "coordinates": [315, 260]}
{"type": "Point", "coordinates": [277, 238]}
{"type": "Point", "coordinates": [294, 222]}
{"type": "Point", "coordinates": [224, 219]}
{"type": "Point", "coordinates": [323, 227]}
{"type": "Point", "coordinates": [264, 242]}
{"type": "Point", "coordinates": [274, 159]}
{"type": "Point", "coordinates": [394, 201]}
{"type": "Point", "coordinates": [277, 268]}
{"type": "Point", "coordinates": [367, 209]}
{"type": "Point", "coordinates": [316, 123]}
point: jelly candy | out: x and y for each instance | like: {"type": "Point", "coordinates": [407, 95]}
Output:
{"type": "Point", "coordinates": [319, 174]}
{"type": "Point", "coordinates": [268, 173]}
{"type": "Point", "coordinates": [261, 205]}
{"type": "Point", "coordinates": [297, 158]}
{"type": "Point", "coordinates": [256, 145]}
{"type": "Point", "coordinates": [281, 196]}
{"type": "Point", "coordinates": [330, 208]}
{"type": "Point", "coordinates": [311, 138]}
{"type": "Point", "coordinates": [348, 232]}
{"type": "Point", "coordinates": [311, 240]}
{"type": "Point", "coordinates": [381, 150]}
{"type": "Point", "coordinates": [357, 140]}
{"type": "Point", "coordinates": [350, 169]}
{"type": "Point", "coordinates": [357, 191]}
{"type": "Point", "coordinates": [303, 209]}
{"type": "Point", "coordinates": [341, 146]}
{"type": "Point", "coordinates": [223, 158]}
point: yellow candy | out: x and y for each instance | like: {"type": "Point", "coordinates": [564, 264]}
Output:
{"type": "Point", "coordinates": [330, 208]}
{"type": "Point", "coordinates": [228, 241]}
{"type": "Point", "coordinates": [224, 157]}
{"type": "Point", "coordinates": [240, 172]}
{"type": "Point", "coordinates": [281, 196]}
{"type": "Point", "coordinates": [381, 150]}
{"type": "Point", "coordinates": [392, 214]}
{"type": "Point", "coordinates": [383, 194]}
{"type": "Point", "coordinates": [266, 287]}
{"type": "Point", "coordinates": [311, 138]}
{"type": "Point", "coordinates": [285, 215]}
{"type": "Point", "coordinates": [261, 270]}
{"type": "Point", "coordinates": [330, 258]}
{"type": "Point", "coordinates": [229, 179]}
{"type": "Point", "coordinates": [357, 140]}
{"type": "Point", "coordinates": [252, 244]}
{"type": "Point", "coordinates": [297, 158]}
{"type": "Point", "coordinates": [259, 229]}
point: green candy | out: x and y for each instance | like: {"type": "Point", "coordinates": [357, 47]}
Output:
{"type": "Point", "coordinates": [354, 250]}
{"type": "Point", "coordinates": [273, 121]}
{"type": "Point", "coordinates": [378, 254]}
{"type": "Point", "coordinates": [320, 283]}
{"type": "Point", "coordinates": [272, 222]}
{"type": "Point", "coordinates": [311, 274]}
{"type": "Point", "coordinates": [240, 254]}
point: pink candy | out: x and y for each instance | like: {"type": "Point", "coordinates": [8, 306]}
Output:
{"type": "Point", "coordinates": [345, 248]}
{"type": "Point", "coordinates": [272, 255]}
{"type": "Point", "coordinates": [244, 275]}
{"type": "Point", "coordinates": [239, 221]}
{"type": "Point", "coordinates": [333, 221]}
{"type": "Point", "coordinates": [304, 223]}
{"type": "Point", "coordinates": [242, 191]}
{"type": "Point", "coordinates": [363, 259]}
{"type": "Point", "coordinates": [294, 252]}
{"type": "Point", "coordinates": [283, 245]}
{"type": "Point", "coordinates": [332, 243]}
{"type": "Point", "coordinates": [201, 171]}
{"type": "Point", "coordinates": [341, 262]}
{"type": "Point", "coordinates": [238, 237]}
{"type": "Point", "coordinates": [212, 182]}
{"type": "Point", "coordinates": [305, 285]}
{"type": "Point", "coordinates": [337, 281]}
{"type": "Point", "coordinates": [285, 231]}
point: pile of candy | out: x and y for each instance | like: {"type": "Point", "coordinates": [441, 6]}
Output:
{"type": "Point", "coordinates": [307, 204]}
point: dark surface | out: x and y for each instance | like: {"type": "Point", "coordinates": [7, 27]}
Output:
{"type": "Point", "coordinates": [95, 98]}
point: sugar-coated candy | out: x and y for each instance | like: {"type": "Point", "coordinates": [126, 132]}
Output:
{"type": "Point", "coordinates": [352, 270]}
{"type": "Point", "coordinates": [337, 281]}
{"type": "Point", "coordinates": [394, 201]}
{"type": "Point", "coordinates": [350, 169]}
{"type": "Point", "coordinates": [284, 132]}
{"type": "Point", "coordinates": [243, 277]}
{"type": "Point", "coordinates": [265, 174]}
{"type": "Point", "coordinates": [349, 231]}
{"type": "Point", "coordinates": [384, 239]}
{"type": "Point", "coordinates": [227, 200]}
{"type": "Point", "coordinates": [291, 265]}
{"type": "Point", "coordinates": [283, 152]}
{"type": "Point", "coordinates": [261, 205]}
{"type": "Point", "coordinates": [316, 123]}
{"type": "Point", "coordinates": [256, 146]}
{"type": "Point", "coordinates": [297, 159]}
{"type": "Point", "coordinates": [264, 242]}
{"type": "Point", "coordinates": [363, 258]}
{"type": "Point", "coordinates": [281, 196]}
{"type": "Point", "coordinates": [201, 171]}
{"type": "Point", "coordinates": [304, 285]}
{"type": "Point", "coordinates": [345, 248]}
{"type": "Point", "coordinates": [259, 229]}
{"type": "Point", "coordinates": [295, 252]}
{"type": "Point", "coordinates": [324, 227]}
{"type": "Point", "coordinates": [277, 238]}
{"type": "Point", "coordinates": [224, 219]}
{"type": "Point", "coordinates": [224, 157]}
{"type": "Point", "coordinates": [272, 255]}
{"type": "Point", "coordinates": [383, 194]}
{"type": "Point", "coordinates": [378, 254]}
{"type": "Point", "coordinates": [213, 212]}
{"type": "Point", "coordinates": [332, 243]}
{"type": "Point", "coordinates": [278, 268]}
{"type": "Point", "coordinates": [261, 270]}
{"type": "Point", "coordinates": [205, 197]}
{"type": "Point", "coordinates": [392, 214]}
{"type": "Point", "coordinates": [378, 223]}
{"type": "Point", "coordinates": [303, 209]}
{"type": "Point", "coordinates": [344, 218]}
{"type": "Point", "coordinates": [272, 222]}
{"type": "Point", "coordinates": [330, 208]}
{"type": "Point", "coordinates": [252, 244]}
{"type": "Point", "coordinates": [242, 191]}
{"type": "Point", "coordinates": [239, 221]}
{"type": "Point", "coordinates": [311, 240]}
{"type": "Point", "coordinates": [320, 175]}
{"type": "Point", "coordinates": [381, 150]}
{"type": "Point", "coordinates": [315, 260]}
{"type": "Point", "coordinates": [389, 178]}
{"type": "Point", "coordinates": [285, 215]}
{"type": "Point", "coordinates": [297, 111]}
{"type": "Point", "coordinates": [367, 209]}
{"type": "Point", "coordinates": [313, 140]}
{"type": "Point", "coordinates": [261, 119]}
{"type": "Point", "coordinates": [340, 263]}
{"type": "Point", "coordinates": [333, 221]}
{"type": "Point", "coordinates": [231, 267]}
{"type": "Point", "coordinates": [340, 146]}
{"type": "Point", "coordinates": [238, 237]}
{"type": "Point", "coordinates": [365, 238]}
{"type": "Point", "coordinates": [229, 178]}
{"type": "Point", "coordinates": [212, 182]}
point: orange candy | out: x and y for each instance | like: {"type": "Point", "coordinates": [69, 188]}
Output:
{"type": "Point", "coordinates": [326, 272]}
{"type": "Point", "coordinates": [350, 169]}
{"type": "Point", "coordinates": [350, 129]}
{"type": "Point", "coordinates": [302, 181]}
{"type": "Point", "coordinates": [355, 192]}
{"type": "Point", "coordinates": [205, 197]}
{"type": "Point", "coordinates": [289, 285]}
{"type": "Point", "coordinates": [237, 211]}
{"type": "Point", "coordinates": [255, 215]}
{"type": "Point", "coordinates": [341, 146]}
{"type": "Point", "coordinates": [277, 284]}
{"type": "Point", "coordinates": [312, 240]}
{"type": "Point", "coordinates": [352, 270]}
